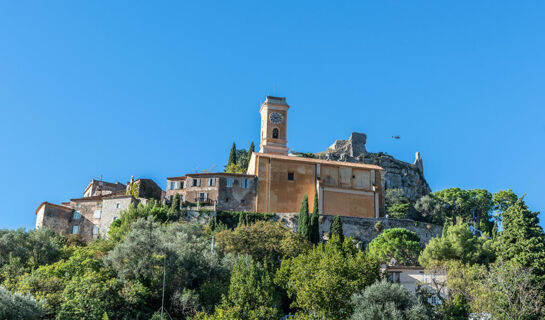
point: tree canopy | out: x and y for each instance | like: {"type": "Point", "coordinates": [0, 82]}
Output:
{"type": "Point", "coordinates": [399, 244]}
{"type": "Point", "coordinates": [322, 280]}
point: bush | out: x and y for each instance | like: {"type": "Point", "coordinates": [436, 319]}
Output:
{"type": "Point", "coordinates": [19, 307]}
{"type": "Point", "coordinates": [385, 300]}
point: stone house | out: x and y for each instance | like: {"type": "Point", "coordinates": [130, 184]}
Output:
{"type": "Point", "coordinates": [99, 187]}
{"type": "Point", "coordinates": [218, 191]}
{"type": "Point", "coordinates": [91, 216]}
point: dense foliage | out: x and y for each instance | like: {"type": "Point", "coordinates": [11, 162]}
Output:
{"type": "Point", "coordinates": [242, 266]}
{"type": "Point", "coordinates": [396, 246]}
{"type": "Point", "coordinates": [386, 300]}
{"type": "Point", "coordinates": [322, 280]}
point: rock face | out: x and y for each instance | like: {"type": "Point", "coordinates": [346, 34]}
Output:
{"type": "Point", "coordinates": [399, 174]}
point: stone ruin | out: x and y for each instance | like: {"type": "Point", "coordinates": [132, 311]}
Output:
{"type": "Point", "coordinates": [399, 174]}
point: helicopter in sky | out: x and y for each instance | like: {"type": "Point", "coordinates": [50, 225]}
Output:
{"type": "Point", "coordinates": [396, 137]}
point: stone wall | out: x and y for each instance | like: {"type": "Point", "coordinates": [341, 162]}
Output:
{"type": "Point", "coordinates": [363, 229]}
{"type": "Point", "coordinates": [111, 210]}
{"type": "Point", "coordinates": [399, 174]}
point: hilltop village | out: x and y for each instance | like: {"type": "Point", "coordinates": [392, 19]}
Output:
{"type": "Point", "coordinates": [348, 180]}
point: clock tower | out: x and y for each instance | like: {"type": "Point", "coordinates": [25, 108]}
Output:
{"type": "Point", "coordinates": [274, 112]}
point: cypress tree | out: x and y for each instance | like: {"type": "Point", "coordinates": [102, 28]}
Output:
{"type": "Point", "coordinates": [251, 150]}
{"type": "Point", "coordinates": [212, 224]}
{"type": "Point", "coordinates": [174, 210]}
{"type": "Point", "coordinates": [337, 228]}
{"type": "Point", "coordinates": [241, 220]}
{"type": "Point", "coordinates": [314, 228]}
{"type": "Point", "coordinates": [315, 222]}
{"type": "Point", "coordinates": [303, 223]}
{"type": "Point", "coordinates": [232, 155]}
{"type": "Point", "coordinates": [522, 239]}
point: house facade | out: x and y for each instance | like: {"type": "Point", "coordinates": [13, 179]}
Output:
{"type": "Point", "coordinates": [91, 215]}
{"type": "Point", "coordinates": [220, 191]}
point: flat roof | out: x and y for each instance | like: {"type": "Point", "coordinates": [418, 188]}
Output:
{"type": "Point", "coordinates": [320, 161]}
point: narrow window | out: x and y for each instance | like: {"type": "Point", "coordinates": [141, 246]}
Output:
{"type": "Point", "coordinates": [291, 176]}
{"type": "Point", "coordinates": [203, 196]}
{"type": "Point", "coordinates": [229, 182]}
{"type": "Point", "coordinates": [97, 214]}
{"type": "Point", "coordinates": [117, 205]}
{"type": "Point", "coordinates": [77, 215]}
{"type": "Point", "coordinates": [211, 182]}
{"type": "Point", "coordinates": [182, 186]}
{"type": "Point", "coordinates": [245, 183]}
{"type": "Point", "coordinates": [172, 185]}
{"type": "Point", "coordinates": [75, 229]}
{"type": "Point", "coordinates": [275, 133]}
{"type": "Point", "coordinates": [95, 230]}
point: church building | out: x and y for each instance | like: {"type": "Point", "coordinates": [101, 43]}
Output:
{"type": "Point", "coordinates": [344, 188]}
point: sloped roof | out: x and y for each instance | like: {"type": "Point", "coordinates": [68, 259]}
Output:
{"type": "Point", "coordinates": [320, 161]}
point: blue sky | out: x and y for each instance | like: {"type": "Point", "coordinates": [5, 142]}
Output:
{"type": "Point", "coordinates": [162, 88]}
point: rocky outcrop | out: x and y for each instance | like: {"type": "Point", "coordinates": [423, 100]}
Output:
{"type": "Point", "coordinates": [399, 174]}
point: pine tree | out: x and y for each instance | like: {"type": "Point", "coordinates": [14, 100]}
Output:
{"type": "Point", "coordinates": [337, 228]}
{"type": "Point", "coordinates": [522, 239]}
{"type": "Point", "coordinates": [315, 222]}
{"type": "Point", "coordinates": [303, 223]}
{"type": "Point", "coordinates": [232, 155]}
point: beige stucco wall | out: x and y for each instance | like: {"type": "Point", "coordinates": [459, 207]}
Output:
{"type": "Point", "coordinates": [343, 190]}
{"type": "Point", "coordinates": [278, 194]}
{"type": "Point", "coordinates": [348, 204]}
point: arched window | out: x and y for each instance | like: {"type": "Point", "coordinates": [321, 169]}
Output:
{"type": "Point", "coordinates": [275, 133]}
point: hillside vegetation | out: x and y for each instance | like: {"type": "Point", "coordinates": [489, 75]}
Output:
{"type": "Point", "coordinates": [243, 266]}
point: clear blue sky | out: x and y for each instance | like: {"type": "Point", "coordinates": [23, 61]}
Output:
{"type": "Point", "coordinates": [162, 88]}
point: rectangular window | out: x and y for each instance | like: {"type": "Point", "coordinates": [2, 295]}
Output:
{"type": "Point", "coordinates": [229, 182]}
{"type": "Point", "coordinates": [211, 182]}
{"type": "Point", "coordinates": [182, 186]}
{"type": "Point", "coordinates": [95, 230]}
{"type": "Point", "coordinates": [117, 205]}
{"type": "Point", "coordinates": [291, 176]}
{"type": "Point", "coordinates": [172, 185]}
{"type": "Point", "coordinates": [196, 182]}
{"type": "Point", "coordinates": [97, 214]}
{"type": "Point", "coordinates": [203, 196]}
{"type": "Point", "coordinates": [245, 183]}
{"type": "Point", "coordinates": [77, 215]}
{"type": "Point", "coordinates": [75, 229]}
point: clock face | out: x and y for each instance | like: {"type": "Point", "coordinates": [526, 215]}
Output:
{"type": "Point", "coordinates": [276, 118]}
